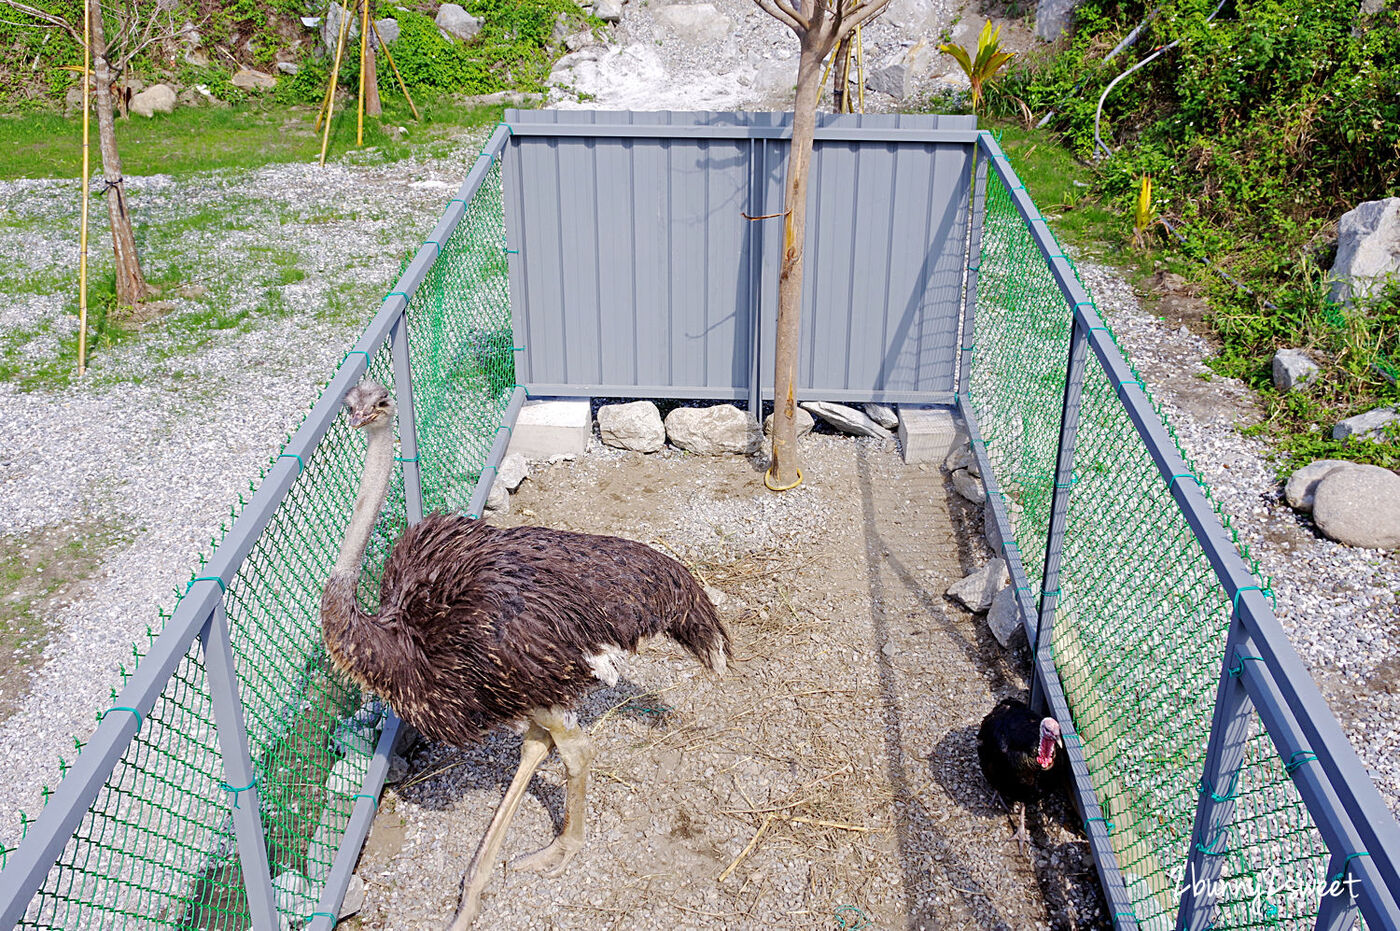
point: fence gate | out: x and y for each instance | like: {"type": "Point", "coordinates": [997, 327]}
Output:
{"type": "Point", "coordinates": [645, 250]}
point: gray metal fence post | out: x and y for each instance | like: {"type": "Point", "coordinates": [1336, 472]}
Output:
{"type": "Point", "coordinates": [240, 781]}
{"type": "Point", "coordinates": [1215, 807]}
{"type": "Point", "coordinates": [408, 421]}
{"type": "Point", "coordinates": [1043, 642]}
{"type": "Point", "coordinates": [974, 265]}
{"type": "Point", "coordinates": [1337, 910]}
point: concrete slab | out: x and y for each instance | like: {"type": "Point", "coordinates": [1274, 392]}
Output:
{"type": "Point", "coordinates": [927, 434]}
{"type": "Point", "coordinates": [552, 427]}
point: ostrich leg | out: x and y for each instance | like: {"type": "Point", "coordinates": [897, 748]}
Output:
{"type": "Point", "coordinates": [577, 752]}
{"type": "Point", "coordinates": [532, 751]}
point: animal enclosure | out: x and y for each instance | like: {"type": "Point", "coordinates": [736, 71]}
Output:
{"type": "Point", "coordinates": [233, 757]}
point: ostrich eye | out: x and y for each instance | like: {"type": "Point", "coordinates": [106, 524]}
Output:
{"type": "Point", "coordinates": [384, 403]}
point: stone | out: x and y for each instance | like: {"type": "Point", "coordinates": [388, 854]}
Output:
{"type": "Point", "coordinates": [1004, 616]}
{"type": "Point", "coordinates": [775, 76]}
{"type": "Point", "coordinates": [926, 434]}
{"type": "Point", "coordinates": [291, 889]}
{"type": "Point", "coordinates": [990, 530]}
{"type": "Point", "coordinates": [1293, 369]}
{"type": "Point", "coordinates": [805, 422]}
{"type": "Point", "coordinates": [249, 80]}
{"type": "Point", "coordinates": [398, 770]}
{"type": "Point", "coordinates": [1368, 426]}
{"type": "Point", "coordinates": [388, 30]}
{"type": "Point", "coordinates": [713, 431]}
{"type": "Point", "coordinates": [1303, 482]}
{"type": "Point", "coordinates": [1368, 250]}
{"type": "Point", "coordinates": [609, 11]}
{"type": "Point", "coordinates": [1359, 506]}
{"type": "Point", "coordinates": [552, 427]}
{"type": "Point", "coordinates": [962, 457]}
{"type": "Point", "coordinates": [457, 22]}
{"type": "Point", "coordinates": [512, 471]}
{"type": "Point", "coordinates": [159, 98]}
{"type": "Point", "coordinates": [288, 67]}
{"type": "Point", "coordinates": [498, 498]}
{"type": "Point", "coordinates": [896, 74]}
{"type": "Point", "coordinates": [330, 27]}
{"type": "Point", "coordinates": [197, 58]}
{"type": "Point", "coordinates": [969, 487]}
{"type": "Point", "coordinates": [354, 897]}
{"type": "Point", "coordinates": [694, 22]}
{"type": "Point", "coordinates": [846, 419]}
{"type": "Point", "coordinates": [882, 414]}
{"type": "Point", "coordinates": [1053, 18]}
{"type": "Point", "coordinates": [977, 590]}
{"type": "Point", "coordinates": [635, 426]}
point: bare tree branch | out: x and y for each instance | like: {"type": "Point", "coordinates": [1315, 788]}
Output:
{"type": "Point", "coordinates": [861, 15]}
{"type": "Point", "coordinates": [779, 10]}
{"type": "Point", "coordinates": [46, 19]}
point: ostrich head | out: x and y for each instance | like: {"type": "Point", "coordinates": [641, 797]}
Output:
{"type": "Point", "coordinates": [1049, 739]}
{"type": "Point", "coordinates": [369, 405]}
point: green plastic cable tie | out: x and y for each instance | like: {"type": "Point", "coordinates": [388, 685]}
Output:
{"type": "Point", "coordinates": [399, 293]}
{"type": "Point", "coordinates": [973, 268]}
{"type": "Point", "coordinates": [372, 798]}
{"type": "Point", "coordinates": [1073, 480]}
{"type": "Point", "coordinates": [405, 458]}
{"type": "Point", "coordinates": [1182, 475]}
{"type": "Point", "coordinates": [1053, 593]}
{"type": "Point", "coordinates": [1235, 603]}
{"type": "Point", "coordinates": [505, 428]}
{"type": "Point", "coordinates": [140, 718]}
{"type": "Point", "coordinates": [358, 352]}
{"type": "Point", "coordinates": [522, 388]}
{"type": "Point", "coordinates": [207, 578]}
{"type": "Point", "coordinates": [1207, 848]}
{"type": "Point", "coordinates": [1108, 825]}
{"type": "Point", "coordinates": [1090, 302]}
{"type": "Point", "coordinates": [228, 788]}
{"type": "Point", "coordinates": [1347, 862]}
{"type": "Point", "coordinates": [474, 515]}
{"type": "Point", "coordinates": [296, 457]}
{"type": "Point", "coordinates": [512, 252]}
{"type": "Point", "coordinates": [314, 915]}
{"type": "Point", "coordinates": [510, 129]}
{"type": "Point", "coordinates": [1293, 762]}
{"type": "Point", "coordinates": [969, 348]}
{"type": "Point", "coordinates": [1205, 786]}
{"type": "Point", "coordinates": [517, 349]}
{"type": "Point", "coordinates": [1131, 381]}
{"type": "Point", "coordinates": [1239, 670]}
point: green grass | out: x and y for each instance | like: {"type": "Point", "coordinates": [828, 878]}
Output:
{"type": "Point", "coordinates": [248, 135]}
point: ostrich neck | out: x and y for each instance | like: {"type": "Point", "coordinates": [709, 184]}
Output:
{"type": "Point", "coordinates": [374, 488]}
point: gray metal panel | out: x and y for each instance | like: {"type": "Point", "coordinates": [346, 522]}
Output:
{"type": "Point", "coordinates": [636, 266]}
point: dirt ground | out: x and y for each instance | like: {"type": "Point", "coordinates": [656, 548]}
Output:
{"type": "Point", "coordinates": [830, 780]}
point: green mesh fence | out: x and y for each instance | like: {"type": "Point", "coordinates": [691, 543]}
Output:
{"type": "Point", "coordinates": [1141, 621]}
{"type": "Point", "coordinates": [156, 849]}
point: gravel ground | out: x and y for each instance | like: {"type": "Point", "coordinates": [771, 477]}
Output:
{"type": "Point", "coordinates": [157, 441]}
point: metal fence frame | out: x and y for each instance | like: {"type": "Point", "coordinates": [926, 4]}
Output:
{"type": "Point", "coordinates": [1260, 673]}
{"type": "Point", "coordinates": [1345, 806]}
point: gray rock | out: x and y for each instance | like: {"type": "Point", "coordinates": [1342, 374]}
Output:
{"type": "Point", "coordinates": [388, 30]}
{"type": "Point", "coordinates": [713, 431]}
{"type": "Point", "coordinates": [159, 98]}
{"type": "Point", "coordinates": [398, 770]}
{"type": "Point", "coordinates": [498, 499]}
{"type": "Point", "coordinates": [990, 530]}
{"type": "Point", "coordinates": [694, 22]}
{"type": "Point", "coordinates": [1367, 426]}
{"type": "Point", "coordinates": [1359, 506]}
{"type": "Point", "coordinates": [354, 897]}
{"type": "Point", "coordinates": [846, 419]}
{"type": "Point", "coordinates": [291, 889]}
{"type": "Point", "coordinates": [1302, 484]}
{"type": "Point", "coordinates": [634, 426]}
{"type": "Point", "coordinates": [1004, 616]}
{"type": "Point", "coordinates": [1293, 369]}
{"type": "Point", "coordinates": [609, 11]}
{"type": "Point", "coordinates": [882, 414]}
{"type": "Point", "coordinates": [805, 423]}
{"type": "Point", "coordinates": [898, 72]}
{"type": "Point", "coordinates": [288, 67]}
{"type": "Point", "coordinates": [513, 470]}
{"type": "Point", "coordinates": [330, 27]}
{"type": "Point", "coordinates": [457, 22]}
{"type": "Point", "coordinates": [775, 76]}
{"type": "Point", "coordinates": [253, 81]}
{"type": "Point", "coordinates": [1368, 250]}
{"type": "Point", "coordinates": [962, 457]}
{"type": "Point", "coordinates": [977, 590]}
{"type": "Point", "coordinates": [969, 487]}
{"type": "Point", "coordinates": [1053, 18]}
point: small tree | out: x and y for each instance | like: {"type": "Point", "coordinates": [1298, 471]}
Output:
{"type": "Point", "coordinates": [819, 25]}
{"type": "Point", "coordinates": [132, 32]}
{"type": "Point", "coordinates": [982, 70]}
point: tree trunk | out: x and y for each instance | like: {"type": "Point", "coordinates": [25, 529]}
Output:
{"type": "Point", "coordinates": [130, 283]}
{"type": "Point", "coordinates": [840, 82]}
{"type": "Point", "coordinates": [372, 105]}
{"type": "Point", "coordinates": [804, 122]}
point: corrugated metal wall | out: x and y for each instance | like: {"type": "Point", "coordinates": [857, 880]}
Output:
{"type": "Point", "coordinates": [636, 272]}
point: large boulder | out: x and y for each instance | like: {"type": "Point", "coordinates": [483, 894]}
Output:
{"type": "Point", "coordinates": [388, 29]}
{"type": "Point", "coordinates": [635, 426]}
{"type": "Point", "coordinates": [805, 423]}
{"type": "Point", "coordinates": [1053, 18]}
{"type": "Point", "coordinates": [882, 414]}
{"type": "Point", "coordinates": [512, 471]}
{"type": "Point", "coordinates": [1004, 616]}
{"type": "Point", "coordinates": [969, 486]}
{"type": "Point", "coordinates": [609, 11]}
{"type": "Point", "coordinates": [249, 80]}
{"type": "Point", "coordinates": [1302, 484]}
{"type": "Point", "coordinates": [330, 27]}
{"type": "Point", "coordinates": [899, 70]}
{"type": "Point", "coordinates": [159, 98]}
{"type": "Point", "coordinates": [1291, 368]}
{"type": "Point", "coordinates": [1368, 426]}
{"type": "Point", "coordinates": [1368, 250]}
{"type": "Point", "coordinates": [457, 22]}
{"type": "Point", "coordinates": [694, 22]}
{"type": "Point", "coordinates": [846, 419]}
{"type": "Point", "coordinates": [713, 431]}
{"type": "Point", "coordinates": [1359, 506]}
{"type": "Point", "coordinates": [977, 590]}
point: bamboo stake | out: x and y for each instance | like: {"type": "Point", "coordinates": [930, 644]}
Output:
{"type": "Point", "coordinates": [83, 229]}
{"type": "Point", "coordinates": [335, 75]}
{"type": "Point", "coordinates": [364, 50]}
{"type": "Point", "coordinates": [402, 86]}
{"type": "Point", "coordinates": [860, 69]}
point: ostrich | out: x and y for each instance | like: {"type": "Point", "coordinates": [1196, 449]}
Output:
{"type": "Point", "coordinates": [480, 626]}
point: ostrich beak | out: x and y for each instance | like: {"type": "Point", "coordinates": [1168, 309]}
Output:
{"type": "Point", "coordinates": [360, 418]}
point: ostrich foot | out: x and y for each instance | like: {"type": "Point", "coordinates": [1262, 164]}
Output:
{"type": "Point", "coordinates": [549, 861]}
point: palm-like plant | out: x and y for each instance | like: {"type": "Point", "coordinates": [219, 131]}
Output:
{"type": "Point", "coordinates": [981, 70]}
